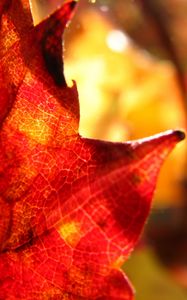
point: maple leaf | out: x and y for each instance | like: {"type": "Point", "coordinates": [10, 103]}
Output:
{"type": "Point", "coordinates": [71, 208]}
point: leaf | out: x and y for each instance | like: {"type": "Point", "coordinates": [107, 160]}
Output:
{"type": "Point", "coordinates": [72, 208]}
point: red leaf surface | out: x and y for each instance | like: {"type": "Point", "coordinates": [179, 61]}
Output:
{"type": "Point", "coordinates": [71, 208]}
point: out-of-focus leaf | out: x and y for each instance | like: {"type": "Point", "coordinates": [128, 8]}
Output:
{"type": "Point", "coordinates": [155, 282]}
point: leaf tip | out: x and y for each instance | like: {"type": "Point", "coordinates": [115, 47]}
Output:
{"type": "Point", "coordinates": [51, 41]}
{"type": "Point", "coordinates": [179, 134]}
{"type": "Point", "coordinates": [42, 10]}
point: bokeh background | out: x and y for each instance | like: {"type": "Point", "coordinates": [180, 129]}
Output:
{"type": "Point", "coordinates": [129, 59]}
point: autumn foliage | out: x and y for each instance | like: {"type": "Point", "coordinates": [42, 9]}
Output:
{"type": "Point", "coordinates": [71, 208]}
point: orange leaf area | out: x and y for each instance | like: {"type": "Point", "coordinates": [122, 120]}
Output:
{"type": "Point", "coordinates": [71, 208]}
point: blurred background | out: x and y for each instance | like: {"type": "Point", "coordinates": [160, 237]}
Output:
{"type": "Point", "coordinates": [129, 59]}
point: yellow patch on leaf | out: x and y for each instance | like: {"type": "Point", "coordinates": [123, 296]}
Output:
{"type": "Point", "coordinates": [70, 232]}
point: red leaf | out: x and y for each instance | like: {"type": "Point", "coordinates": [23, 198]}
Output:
{"type": "Point", "coordinates": [72, 208]}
